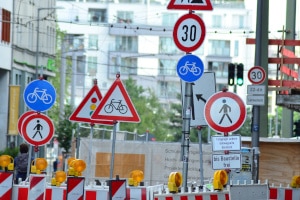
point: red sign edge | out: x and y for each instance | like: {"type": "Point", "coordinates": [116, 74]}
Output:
{"type": "Point", "coordinates": [135, 117]}
{"type": "Point", "coordinates": [172, 5]}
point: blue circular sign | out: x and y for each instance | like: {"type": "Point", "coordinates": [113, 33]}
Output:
{"type": "Point", "coordinates": [39, 95]}
{"type": "Point", "coordinates": [190, 68]}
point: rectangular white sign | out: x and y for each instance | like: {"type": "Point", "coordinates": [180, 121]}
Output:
{"type": "Point", "coordinates": [256, 100]}
{"type": "Point", "coordinates": [230, 143]}
{"type": "Point", "coordinates": [226, 161]}
{"type": "Point", "coordinates": [256, 89]}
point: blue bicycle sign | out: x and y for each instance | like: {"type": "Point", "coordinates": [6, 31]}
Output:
{"type": "Point", "coordinates": [190, 68]}
{"type": "Point", "coordinates": [39, 95]}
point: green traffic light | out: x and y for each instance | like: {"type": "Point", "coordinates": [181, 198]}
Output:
{"type": "Point", "coordinates": [240, 81]}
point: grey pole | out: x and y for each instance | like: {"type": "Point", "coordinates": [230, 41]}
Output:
{"type": "Point", "coordinates": [112, 160]}
{"type": "Point", "coordinates": [200, 155]}
{"type": "Point", "coordinates": [261, 49]}
{"type": "Point", "coordinates": [186, 132]}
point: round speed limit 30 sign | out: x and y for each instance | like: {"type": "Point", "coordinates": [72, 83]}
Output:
{"type": "Point", "coordinates": [189, 32]}
{"type": "Point", "coordinates": [257, 75]}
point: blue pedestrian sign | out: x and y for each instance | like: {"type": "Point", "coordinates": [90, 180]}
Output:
{"type": "Point", "coordinates": [39, 95]}
{"type": "Point", "coordinates": [190, 68]}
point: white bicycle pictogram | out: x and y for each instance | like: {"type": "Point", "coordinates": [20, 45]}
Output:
{"type": "Point", "coordinates": [39, 94]}
{"type": "Point", "coordinates": [190, 67]}
{"type": "Point", "coordinates": [115, 104]}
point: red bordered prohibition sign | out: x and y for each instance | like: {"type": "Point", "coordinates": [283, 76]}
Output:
{"type": "Point", "coordinates": [225, 112]}
{"type": "Point", "coordinates": [189, 32]}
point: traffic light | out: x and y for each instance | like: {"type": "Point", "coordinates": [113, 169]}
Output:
{"type": "Point", "coordinates": [231, 73]}
{"type": "Point", "coordinates": [297, 128]}
{"type": "Point", "coordinates": [240, 74]}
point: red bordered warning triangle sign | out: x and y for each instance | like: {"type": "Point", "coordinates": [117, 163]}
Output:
{"type": "Point", "coordinates": [88, 105]}
{"type": "Point", "coordinates": [190, 5]}
{"type": "Point", "coordinates": [116, 105]}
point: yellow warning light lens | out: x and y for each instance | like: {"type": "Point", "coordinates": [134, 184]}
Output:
{"type": "Point", "coordinates": [60, 176]}
{"type": "Point", "coordinates": [175, 181]}
{"type": "Point", "coordinates": [137, 175]}
{"type": "Point", "coordinates": [70, 160]}
{"type": "Point", "coordinates": [78, 165]}
{"type": "Point", "coordinates": [5, 160]}
{"type": "Point", "coordinates": [295, 183]}
{"type": "Point", "coordinates": [41, 163]}
{"type": "Point", "coordinates": [220, 179]}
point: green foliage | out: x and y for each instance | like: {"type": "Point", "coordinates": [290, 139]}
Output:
{"type": "Point", "coordinates": [64, 130]}
{"type": "Point", "coordinates": [13, 152]}
{"type": "Point", "coordinates": [152, 114]}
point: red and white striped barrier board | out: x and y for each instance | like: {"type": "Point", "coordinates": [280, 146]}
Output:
{"type": "Point", "coordinates": [194, 196]}
{"type": "Point", "coordinates": [138, 193]}
{"type": "Point", "coordinates": [97, 194]}
{"type": "Point", "coordinates": [54, 193]}
{"type": "Point", "coordinates": [117, 189]}
{"type": "Point", "coordinates": [37, 187]}
{"type": "Point", "coordinates": [284, 194]}
{"type": "Point", "coordinates": [75, 188]}
{"type": "Point", "coordinates": [6, 185]}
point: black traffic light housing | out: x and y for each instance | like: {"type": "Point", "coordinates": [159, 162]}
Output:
{"type": "Point", "coordinates": [240, 74]}
{"type": "Point", "coordinates": [297, 128]}
{"type": "Point", "coordinates": [231, 73]}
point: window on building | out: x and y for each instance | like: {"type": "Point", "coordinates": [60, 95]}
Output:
{"type": "Point", "coordinates": [93, 42]}
{"type": "Point", "coordinates": [124, 65]}
{"type": "Point", "coordinates": [75, 42]}
{"type": "Point", "coordinates": [5, 26]}
{"type": "Point", "coordinates": [219, 47]}
{"type": "Point", "coordinates": [238, 21]}
{"type": "Point", "coordinates": [125, 16]}
{"type": "Point", "coordinates": [169, 19]}
{"type": "Point", "coordinates": [97, 15]}
{"type": "Point", "coordinates": [236, 48]}
{"type": "Point", "coordinates": [169, 89]}
{"type": "Point", "coordinates": [126, 43]}
{"type": "Point", "coordinates": [92, 65]}
{"type": "Point", "coordinates": [167, 67]}
{"type": "Point", "coordinates": [220, 68]}
{"type": "Point", "coordinates": [80, 70]}
{"type": "Point", "coordinates": [217, 21]}
{"type": "Point", "coordinates": [167, 45]}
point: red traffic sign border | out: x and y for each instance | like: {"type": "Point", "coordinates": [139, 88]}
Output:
{"type": "Point", "coordinates": [263, 75]}
{"type": "Point", "coordinates": [205, 6]}
{"type": "Point", "coordinates": [211, 122]}
{"type": "Point", "coordinates": [46, 139]}
{"type": "Point", "coordinates": [176, 27]}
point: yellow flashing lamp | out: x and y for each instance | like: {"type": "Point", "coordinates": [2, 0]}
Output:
{"type": "Point", "coordinates": [7, 161]}
{"type": "Point", "coordinates": [76, 167]}
{"type": "Point", "coordinates": [60, 176]}
{"type": "Point", "coordinates": [136, 176]}
{"type": "Point", "coordinates": [174, 182]}
{"type": "Point", "coordinates": [38, 165]}
{"type": "Point", "coordinates": [220, 179]}
{"type": "Point", "coordinates": [295, 183]}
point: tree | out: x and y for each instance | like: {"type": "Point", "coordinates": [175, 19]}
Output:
{"type": "Point", "coordinates": [64, 130]}
{"type": "Point", "coordinates": [150, 110]}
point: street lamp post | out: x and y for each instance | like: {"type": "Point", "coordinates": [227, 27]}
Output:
{"type": "Point", "coordinates": [38, 38]}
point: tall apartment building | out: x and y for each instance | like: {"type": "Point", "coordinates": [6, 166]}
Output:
{"type": "Point", "coordinates": [135, 38]}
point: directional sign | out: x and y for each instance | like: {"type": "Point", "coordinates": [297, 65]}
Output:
{"type": "Point", "coordinates": [257, 75]}
{"type": "Point", "coordinates": [39, 95]}
{"type": "Point", "coordinates": [202, 89]}
{"type": "Point", "coordinates": [190, 5]}
{"type": "Point", "coordinates": [226, 161]}
{"type": "Point", "coordinates": [86, 108]}
{"type": "Point", "coordinates": [37, 129]}
{"type": "Point", "coordinates": [116, 105]}
{"type": "Point", "coordinates": [225, 112]}
{"type": "Point", "coordinates": [226, 143]}
{"type": "Point", "coordinates": [189, 32]}
{"type": "Point", "coordinates": [190, 68]}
